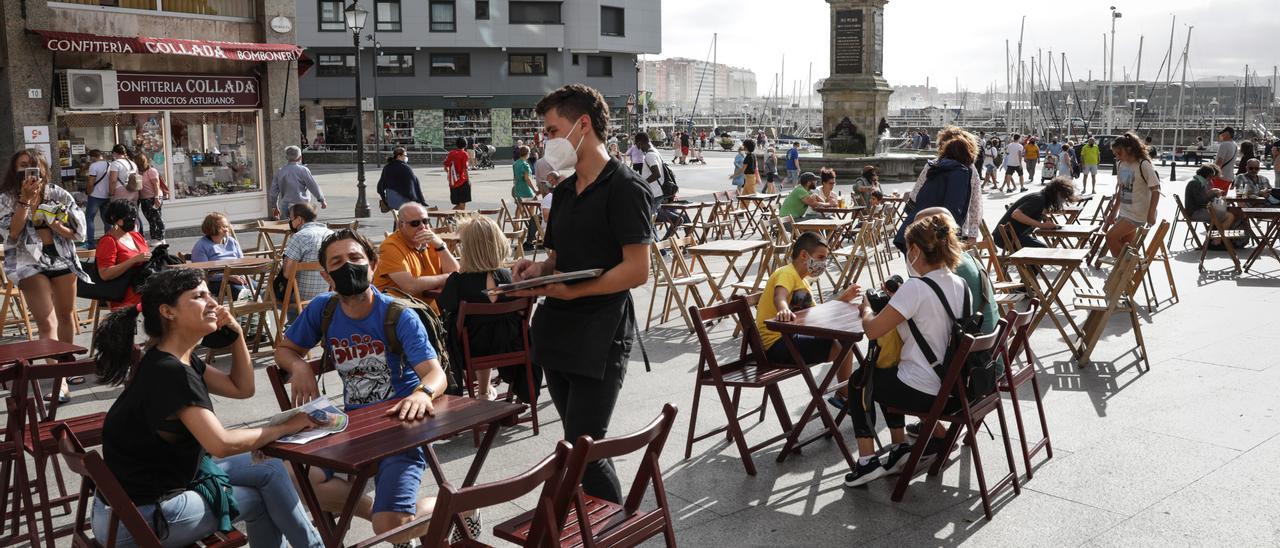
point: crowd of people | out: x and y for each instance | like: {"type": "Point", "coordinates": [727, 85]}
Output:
{"type": "Point", "coordinates": [162, 436]}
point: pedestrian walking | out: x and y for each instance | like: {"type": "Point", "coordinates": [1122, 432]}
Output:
{"type": "Point", "coordinates": [153, 192]}
{"type": "Point", "coordinates": [398, 184]}
{"type": "Point", "coordinates": [293, 184]}
{"type": "Point", "coordinates": [457, 170]}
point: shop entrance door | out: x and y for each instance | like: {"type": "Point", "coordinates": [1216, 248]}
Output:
{"type": "Point", "coordinates": [340, 125]}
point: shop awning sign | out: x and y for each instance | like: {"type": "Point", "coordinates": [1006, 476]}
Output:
{"type": "Point", "coordinates": [141, 91]}
{"type": "Point", "coordinates": [76, 42]}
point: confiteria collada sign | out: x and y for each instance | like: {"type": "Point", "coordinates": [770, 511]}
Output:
{"type": "Point", "coordinates": [185, 91]}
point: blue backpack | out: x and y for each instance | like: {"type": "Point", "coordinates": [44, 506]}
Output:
{"type": "Point", "coordinates": [947, 185]}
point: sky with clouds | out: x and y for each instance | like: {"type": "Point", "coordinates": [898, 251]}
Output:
{"type": "Point", "coordinates": [947, 39]}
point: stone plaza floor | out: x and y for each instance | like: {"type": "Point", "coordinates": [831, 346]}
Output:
{"type": "Point", "coordinates": [1184, 453]}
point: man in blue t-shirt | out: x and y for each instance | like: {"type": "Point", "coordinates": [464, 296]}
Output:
{"type": "Point", "coordinates": [793, 164]}
{"type": "Point", "coordinates": [370, 374]}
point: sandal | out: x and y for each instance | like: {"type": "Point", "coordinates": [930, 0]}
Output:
{"type": "Point", "coordinates": [76, 380]}
{"type": "Point", "coordinates": [62, 398]}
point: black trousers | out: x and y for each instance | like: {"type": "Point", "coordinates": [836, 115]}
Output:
{"type": "Point", "coordinates": [887, 390]}
{"type": "Point", "coordinates": [585, 406]}
{"type": "Point", "coordinates": [151, 210]}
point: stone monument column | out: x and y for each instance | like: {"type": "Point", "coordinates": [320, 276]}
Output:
{"type": "Point", "coordinates": [855, 98]}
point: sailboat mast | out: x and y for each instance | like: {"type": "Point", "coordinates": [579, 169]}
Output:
{"type": "Point", "coordinates": [715, 39]}
{"type": "Point", "coordinates": [1177, 133]}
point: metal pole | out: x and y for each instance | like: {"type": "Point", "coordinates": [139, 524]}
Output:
{"type": "Point", "coordinates": [1173, 173]}
{"type": "Point", "coordinates": [1137, 75]}
{"type": "Point", "coordinates": [362, 204]}
{"type": "Point", "coordinates": [378, 121]}
{"type": "Point", "coordinates": [1008, 118]}
{"type": "Point", "coordinates": [1111, 76]}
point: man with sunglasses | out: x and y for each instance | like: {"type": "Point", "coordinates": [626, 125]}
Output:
{"type": "Point", "coordinates": [1252, 182]}
{"type": "Point", "coordinates": [414, 259]}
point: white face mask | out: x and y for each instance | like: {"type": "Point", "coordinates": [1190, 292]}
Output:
{"type": "Point", "coordinates": [911, 268]}
{"type": "Point", "coordinates": [560, 153]}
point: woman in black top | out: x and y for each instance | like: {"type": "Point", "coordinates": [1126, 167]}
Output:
{"type": "Point", "coordinates": [160, 431]}
{"type": "Point", "coordinates": [1028, 213]}
{"type": "Point", "coordinates": [749, 168]}
{"type": "Point", "coordinates": [483, 248]}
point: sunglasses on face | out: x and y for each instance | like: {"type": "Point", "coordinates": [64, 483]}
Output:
{"type": "Point", "coordinates": [416, 223]}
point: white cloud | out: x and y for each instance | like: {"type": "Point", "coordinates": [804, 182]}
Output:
{"type": "Point", "coordinates": [945, 39]}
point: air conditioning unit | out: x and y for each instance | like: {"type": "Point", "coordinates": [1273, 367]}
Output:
{"type": "Point", "coordinates": [89, 89]}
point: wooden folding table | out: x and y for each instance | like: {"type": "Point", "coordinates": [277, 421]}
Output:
{"type": "Point", "coordinates": [731, 250]}
{"type": "Point", "coordinates": [371, 436]}
{"type": "Point", "coordinates": [841, 322]}
{"type": "Point", "coordinates": [1031, 263]}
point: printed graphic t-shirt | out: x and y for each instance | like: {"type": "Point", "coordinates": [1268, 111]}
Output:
{"type": "Point", "coordinates": [370, 372]}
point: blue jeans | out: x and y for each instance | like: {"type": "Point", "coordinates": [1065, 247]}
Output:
{"type": "Point", "coordinates": [91, 215]}
{"type": "Point", "coordinates": [269, 508]}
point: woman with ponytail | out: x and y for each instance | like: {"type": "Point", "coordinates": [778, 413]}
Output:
{"type": "Point", "coordinates": [933, 251]}
{"type": "Point", "coordinates": [161, 432]}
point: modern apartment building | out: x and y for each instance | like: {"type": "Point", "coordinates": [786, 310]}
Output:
{"type": "Point", "coordinates": [679, 81]}
{"type": "Point", "coordinates": [435, 70]}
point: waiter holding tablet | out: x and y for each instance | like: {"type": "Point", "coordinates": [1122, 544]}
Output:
{"type": "Point", "coordinates": [582, 333]}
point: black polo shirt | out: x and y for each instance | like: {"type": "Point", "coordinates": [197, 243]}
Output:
{"type": "Point", "coordinates": [586, 231]}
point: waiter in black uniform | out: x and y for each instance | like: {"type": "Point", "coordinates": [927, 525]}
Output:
{"type": "Point", "coordinates": [582, 333]}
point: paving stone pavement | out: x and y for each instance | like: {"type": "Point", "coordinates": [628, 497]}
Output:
{"type": "Point", "coordinates": [1183, 453]}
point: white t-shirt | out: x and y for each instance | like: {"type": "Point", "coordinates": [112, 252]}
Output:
{"type": "Point", "coordinates": [652, 161]}
{"type": "Point", "coordinates": [123, 167]}
{"type": "Point", "coordinates": [99, 181]}
{"type": "Point", "coordinates": [1013, 155]}
{"type": "Point", "coordinates": [990, 156]}
{"type": "Point", "coordinates": [546, 201]}
{"type": "Point", "coordinates": [915, 300]}
{"type": "Point", "coordinates": [1136, 181]}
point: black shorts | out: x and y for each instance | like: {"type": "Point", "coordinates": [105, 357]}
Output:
{"type": "Point", "coordinates": [1010, 170]}
{"type": "Point", "coordinates": [51, 274]}
{"type": "Point", "coordinates": [812, 349]}
{"type": "Point", "coordinates": [460, 195]}
{"type": "Point", "coordinates": [772, 177]}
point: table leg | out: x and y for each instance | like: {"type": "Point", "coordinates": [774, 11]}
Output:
{"type": "Point", "coordinates": [1055, 289]}
{"type": "Point", "coordinates": [818, 403]}
{"type": "Point", "coordinates": [711, 280]}
{"type": "Point", "coordinates": [1048, 299]}
{"type": "Point", "coordinates": [1267, 241]}
{"type": "Point", "coordinates": [332, 534]}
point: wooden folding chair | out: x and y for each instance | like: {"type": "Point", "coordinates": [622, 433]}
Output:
{"type": "Point", "coordinates": [522, 357]}
{"type": "Point", "coordinates": [1193, 231]}
{"type": "Point", "coordinates": [1019, 343]}
{"type": "Point", "coordinates": [1150, 254]}
{"type": "Point", "coordinates": [353, 226]}
{"type": "Point", "coordinates": [13, 308]}
{"type": "Point", "coordinates": [13, 470]}
{"type": "Point", "coordinates": [1224, 234]}
{"type": "Point", "coordinates": [38, 439]}
{"type": "Point", "coordinates": [259, 249]}
{"type": "Point", "coordinates": [584, 520]}
{"type": "Point", "coordinates": [280, 379]}
{"type": "Point", "coordinates": [293, 298]}
{"type": "Point", "coordinates": [751, 369]}
{"type": "Point", "coordinates": [1161, 254]}
{"type": "Point", "coordinates": [260, 307]}
{"type": "Point", "coordinates": [964, 419]}
{"type": "Point", "coordinates": [453, 502]}
{"type": "Point", "coordinates": [97, 480]}
{"type": "Point", "coordinates": [674, 277]}
{"type": "Point", "coordinates": [1116, 296]}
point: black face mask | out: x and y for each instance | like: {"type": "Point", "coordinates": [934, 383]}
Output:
{"type": "Point", "coordinates": [128, 224]}
{"type": "Point", "coordinates": [293, 228]}
{"type": "Point", "coordinates": [350, 279]}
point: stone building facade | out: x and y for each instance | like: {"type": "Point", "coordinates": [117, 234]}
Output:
{"type": "Point", "coordinates": [205, 90]}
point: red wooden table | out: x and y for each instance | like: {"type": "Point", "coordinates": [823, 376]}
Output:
{"type": "Point", "coordinates": [36, 350]}
{"type": "Point", "coordinates": [372, 436]}
{"type": "Point", "coordinates": [836, 320]}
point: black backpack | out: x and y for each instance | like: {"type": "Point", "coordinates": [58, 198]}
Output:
{"type": "Point", "coordinates": [436, 335]}
{"type": "Point", "coordinates": [981, 371]}
{"type": "Point", "coordinates": [669, 186]}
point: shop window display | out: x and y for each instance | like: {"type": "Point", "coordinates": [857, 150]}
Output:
{"type": "Point", "coordinates": [214, 153]}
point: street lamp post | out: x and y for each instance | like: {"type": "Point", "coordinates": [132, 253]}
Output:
{"type": "Point", "coordinates": [355, 16]}
{"type": "Point", "coordinates": [1111, 77]}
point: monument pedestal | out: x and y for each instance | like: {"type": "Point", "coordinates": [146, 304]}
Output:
{"type": "Point", "coordinates": [855, 98]}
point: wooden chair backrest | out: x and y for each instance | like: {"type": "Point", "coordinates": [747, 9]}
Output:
{"type": "Point", "coordinates": [740, 309]}
{"type": "Point", "coordinates": [650, 440]}
{"type": "Point", "coordinates": [521, 307]}
{"type": "Point", "coordinates": [31, 373]}
{"type": "Point", "coordinates": [96, 477]}
{"type": "Point", "coordinates": [453, 501]}
{"type": "Point", "coordinates": [1020, 326]}
{"type": "Point", "coordinates": [953, 382]}
{"type": "Point", "coordinates": [280, 377]}
{"type": "Point", "coordinates": [292, 295]}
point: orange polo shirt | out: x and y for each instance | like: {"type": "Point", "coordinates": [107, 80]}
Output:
{"type": "Point", "coordinates": [398, 254]}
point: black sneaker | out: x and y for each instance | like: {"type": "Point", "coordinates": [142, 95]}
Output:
{"type": "Point", "coordinates": [934, 447]}
{"type": "Point", "coordinates": [896, 458]}
{"type": "Point", "coordinates": [864, 473]}
{"type": "Point", "coordinates": [913, 430]}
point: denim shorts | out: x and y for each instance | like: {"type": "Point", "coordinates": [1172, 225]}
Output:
{"type": "Point", "coordinates": [396, 484]}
